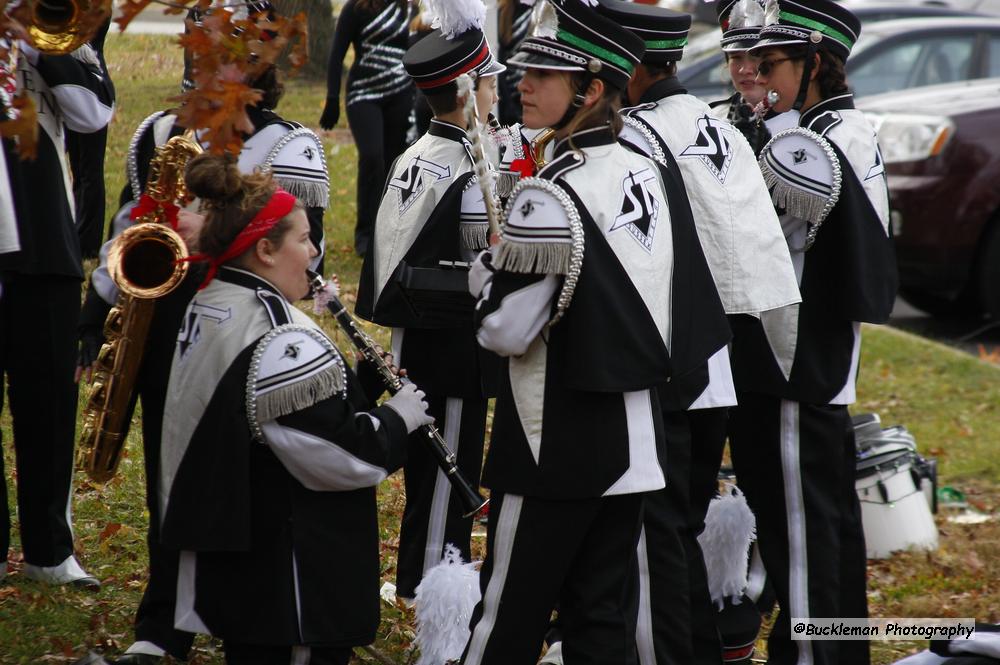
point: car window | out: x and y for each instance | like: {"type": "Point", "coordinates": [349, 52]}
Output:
{"type": "Point", "coordinates": [919, 60]}
{"type": "Point", "coordinates": [993, 64]}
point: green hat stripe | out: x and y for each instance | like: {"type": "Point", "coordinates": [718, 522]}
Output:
{"type": "Point", "coordinates": [816, 25]}
{"type": "Point", "coordinates": [595, 50]}
{"type": "Point", "coordinates": [667, 43]}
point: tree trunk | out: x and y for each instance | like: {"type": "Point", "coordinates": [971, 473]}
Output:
{"type": "Point", "coordinates": [319, 14]}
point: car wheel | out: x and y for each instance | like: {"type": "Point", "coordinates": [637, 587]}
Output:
{"type": "Point", "coordinates": [939, 306]}
{"type": "Point", "coordinates": [989, 272]}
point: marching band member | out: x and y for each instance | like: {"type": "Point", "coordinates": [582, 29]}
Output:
{"type": "Point", "coordinates": [740, 21]}
{"type": "Point", "coordinates": [573, 298]}
{"type": "Point", "coordinates": [271, 450]}
{"type": "Point", "coordinates": [828, 183]}
{"type": "Point", "coordinates": [40, 307]}
{"type": "Point", "coordinates": [379, 96]}
{"type": "Point", "coordinates": [752, 270]}
{"type": "Point", "coordinates": [431, 222]}
{"type": "Point", "coordinates": [295, 157]}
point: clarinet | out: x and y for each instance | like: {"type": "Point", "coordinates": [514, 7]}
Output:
{"type": "Point", "coordinates": [472, 501]}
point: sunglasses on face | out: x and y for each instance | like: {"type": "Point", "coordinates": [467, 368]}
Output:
{"type": "Point", "coordinates": [765, 67]}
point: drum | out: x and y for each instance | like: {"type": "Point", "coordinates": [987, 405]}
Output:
{"type": "Point", "coordinates": [894, 510]}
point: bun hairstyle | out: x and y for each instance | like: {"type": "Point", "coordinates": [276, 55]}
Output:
{"type": "Point", "coordinates": [230, 200]}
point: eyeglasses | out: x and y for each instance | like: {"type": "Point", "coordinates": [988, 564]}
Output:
{"type": "Point", "coordinates": [765, 67]}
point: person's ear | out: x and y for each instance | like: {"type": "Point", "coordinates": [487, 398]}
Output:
{"type": "Point", "coordinates": [815, 68]}
{"type": "Point", "coordinates": [594, 92]}
{"type": "Point", "coordinates": [264, 251]}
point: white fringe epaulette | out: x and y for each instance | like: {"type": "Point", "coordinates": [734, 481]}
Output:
{"type": "Point", "coordinates": [803, 174]}
{"type": "Point", "coordinates": [298, 175]}
{"type": "Point", "coordinates": [445, 599]}
{"type": "Point", "coordinates": [475, 235]}
{"type": "Point", "coordinates": [292, 368]}
{"type": "Point", "coordinates": [730, 527]}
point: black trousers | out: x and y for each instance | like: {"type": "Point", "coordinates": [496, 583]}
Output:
{"type": "Point", "coordinates": [796, 464]}
{"type": "Point", "coordinates": [38, 319]}
{"type": "Point", "coordinates": [677, 621]}
{"type": "Point", "coordinates": [256, 654]}
{"type": "Point", "coordinates": [578, 555]}
{"type": "Point", "coordinates": [379, 130]}
{"type": "Point", "coordinates": [86, 158]}
{"type": "Point", "coordinates": [432, 516]}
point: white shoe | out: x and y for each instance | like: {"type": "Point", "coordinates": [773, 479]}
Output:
{"type": "Point", "coordinates": [553, 656]}
{"type": "Point", "coordinates": [67, 572]}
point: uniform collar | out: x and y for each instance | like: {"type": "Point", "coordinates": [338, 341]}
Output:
{"type": "Point", "coordinates": [662, 89]}
{"type": "Point", "coordinates": [245, 278]}
{"type": "Point", "coordinates": [586, 138]}
{"type": "Point", "coordinates": [446, 130]}
{"type": "Point", "coordinates": [838, 103]}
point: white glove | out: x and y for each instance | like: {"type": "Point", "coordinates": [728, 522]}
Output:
{"type": "Point", "coordinates": [480, 273]}
{"type": "Point", "coordinates": [409, 403]}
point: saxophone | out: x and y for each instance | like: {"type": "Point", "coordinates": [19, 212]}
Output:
{"type": "Point", "coordinates": [145, 263]}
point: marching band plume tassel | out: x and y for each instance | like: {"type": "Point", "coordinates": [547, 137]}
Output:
{"type": "Point", "coordinates": [445, 599]}
{"type": "Point", "coordinates": [730, 527]}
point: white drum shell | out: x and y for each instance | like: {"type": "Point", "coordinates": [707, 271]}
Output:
{"type": "Point", "coordinates": [902, 522]}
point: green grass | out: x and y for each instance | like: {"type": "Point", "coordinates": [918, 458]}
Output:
{"type": "Point", "coordinates": [948, 400]}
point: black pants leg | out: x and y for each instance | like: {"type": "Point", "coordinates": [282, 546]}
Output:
{"type": "Point", "coordinates": [39, 317]}
{"type": "Point", "coordinates": [577, 555]}
{"type": "Point", "coordinates": [86, 156]}
{"type": "Point", "coordinates": [432, 516]}
{"type": "Point", "coordinates": [257, 654]}
{"type": "Point", "coordinates": [796, 465]}
{"type": "Point", "coordinates": [379, 130]}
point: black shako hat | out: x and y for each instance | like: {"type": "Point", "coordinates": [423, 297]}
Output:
{"type": "Point", "coordinates": [664, 32]}
{"type": "Point", "coordinates": [822, 23]}
{"type": "Point", "coordinates": [580, 39]}
{"type": "Point", "coordinates": [741, 21]}
{"type": "Point", "coordinates": [436, 60]}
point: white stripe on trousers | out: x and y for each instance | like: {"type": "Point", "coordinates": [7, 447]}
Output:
{"type": "Point", "coordinates": [438, 517]}
{"type": "Point", "coordinates": [301, 655]}
{"type": "Point", "coordinates": [798, 561]}
{"type": "Point", "coordinates": [506, 529]}
{"type": "Point", "coordinates": [644, 625]}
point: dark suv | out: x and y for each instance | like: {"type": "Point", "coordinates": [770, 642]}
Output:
{"type": "Point", "coordinates": [941, 147]}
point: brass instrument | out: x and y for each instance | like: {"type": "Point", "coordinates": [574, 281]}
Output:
{"type": "Point", "coordinates": [61, 26]}
{"type": "Point", "coordinates": [145, 263]}
{"type": "Point", "coordinates": [538, 147]}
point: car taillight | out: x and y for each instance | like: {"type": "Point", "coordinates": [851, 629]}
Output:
{"type": "Point", "coordinates": [911, 138]}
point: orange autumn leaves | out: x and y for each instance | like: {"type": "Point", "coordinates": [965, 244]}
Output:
{"type": "Point", "coordinates": [227, 52]}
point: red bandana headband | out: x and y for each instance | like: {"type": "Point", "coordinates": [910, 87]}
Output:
{"type": "Point", "coordinates": [280, 204]}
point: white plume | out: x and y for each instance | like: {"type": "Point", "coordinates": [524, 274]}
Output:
{"type": "Point", "coordinates": [445, 599]}
{"type": "Point", "coordinates": [772, 12]}
{"type": "Point", "coordinates": [454, 17]}
{"type": "Point", "coordinates": [544, 20]}
{"type": "Point", "coordinates": [730, 527]}
{"type": "Point", "coordinates": [738, 18]}
{"type": "Point", "coordinates": [754, 13]}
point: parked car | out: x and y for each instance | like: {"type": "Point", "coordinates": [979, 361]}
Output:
{"type": "Point", "coordinates": [890, 55]}
{"type": "Point", "coordinates": [941, 150]}
{"type": "Point", "coordinates": [703, 11]}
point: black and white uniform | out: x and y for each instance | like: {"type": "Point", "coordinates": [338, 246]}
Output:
{"type": "Point", "coordinates": [282, 146]}
{"type": "Point", "coordinates": [432, 216]}
{"type": "Point", "coordinates": [40, 274]}
{"type": "Point", "coordinates": [271, 454]}
{"type": "Point", "coordinates": [509, 107]}
{"type": "Point", "coordinates": [576, 304]}
{"type": "Point", "coordinates": [379, 96]}
{"type": "Point", "coordinates": [745, 249]}
{"type": "Point", "coordinates": [796, 380]}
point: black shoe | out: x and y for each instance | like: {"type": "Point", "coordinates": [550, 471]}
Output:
{"type": "Point", "coordinates": [138, 659]}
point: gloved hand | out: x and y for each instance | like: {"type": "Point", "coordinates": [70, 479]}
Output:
{"type": "Point", "coordinates": [331, 113]}
{"type": "Point", "coordinates": [481, 272]}
{"type": "Point", "coordinates": [409, 403]}
{"type": "Point", "coordinates": [91, 339]}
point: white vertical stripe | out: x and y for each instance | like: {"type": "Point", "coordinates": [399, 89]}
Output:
{"type": "Point", "coordinates": [185, 617]}
{"type": "Point", "coordinates": [644, 473]}
{"type": "Point", "coordinates": [644, 626]}
{"type": "Point", "coordinates": [298, 596]}
{"type": "Point", "coordinates": [798, 562]}
{"type": "Point", "coordinates": [506, 530]}
{"type": "Point", "coordinates": [438, 517]}
{"type": "Point", "coordinates": [9, 239]}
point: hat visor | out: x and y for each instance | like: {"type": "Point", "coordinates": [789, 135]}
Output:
{"type": "Point", "coordinates": [771, 42]}
{"type": "Point", "coordinates": [529, 59]}
{"type": "Point", "coordinates": [740, 46]}
{"type": "Point", "coordinates": [492, 69]}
